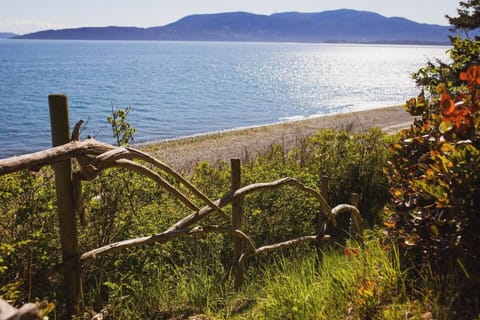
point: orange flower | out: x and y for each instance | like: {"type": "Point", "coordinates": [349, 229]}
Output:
{"type": "Point", "coordinates": [458, 114]}
{"type": "Point", "coordinates": [471, 76]}
{"type": "Point", "coordinates": [447, 104]}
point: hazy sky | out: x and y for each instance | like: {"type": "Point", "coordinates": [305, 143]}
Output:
{"type": "Point", "coordinates": [23, 16]}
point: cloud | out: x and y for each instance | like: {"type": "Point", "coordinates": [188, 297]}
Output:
{"type": "Point", "coordinates": [27, 26]}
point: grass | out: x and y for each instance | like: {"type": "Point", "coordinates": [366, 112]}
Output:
{"type": "Point", "coordinates": [358, 283]}
{"type": "Point", "coordinates": [355, 283]}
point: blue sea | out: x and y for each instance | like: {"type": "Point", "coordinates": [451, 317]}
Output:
{"type": "Point", "coordinates": [179, 89]}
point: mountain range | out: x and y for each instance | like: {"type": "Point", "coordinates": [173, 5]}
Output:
{"type": "Point", "coordinates": [342, 25]}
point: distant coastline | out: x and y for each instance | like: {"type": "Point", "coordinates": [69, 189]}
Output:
{"type": "Point", "coordinates": [337, 26]}
{"type": "Point", "coordinates": [400, 43]}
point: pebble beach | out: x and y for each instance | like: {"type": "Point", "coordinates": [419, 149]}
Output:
{"type": "Point", "coordinates": [184, 153]}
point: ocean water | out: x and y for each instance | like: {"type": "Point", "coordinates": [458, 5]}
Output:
{"type": "Point", "coordinates": [184, 88]}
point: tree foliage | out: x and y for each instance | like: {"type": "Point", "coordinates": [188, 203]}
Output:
{"type": "Point", "coordinates": [122, 131]}
{"type": "Point", "coordinates": [464, 53]}
{"type": "Point", "coordinates": [468, 16]}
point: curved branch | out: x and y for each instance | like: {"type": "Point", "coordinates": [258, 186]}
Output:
{"type": "Point", "coordinates": [76, 131]}
{"type": "Point", "coordinates": [165, 237]}
{"type": "Point", "coordinates": [293, 182]}
{"type": "Point", "coordinates": [357, 218]}
{"type": "Point", "coordinates": [242, 192]}
{"type": "Point", "coordinates": [109, 157]}
{"type": "Point", "coordinates": [159, 164]}
{"type": "Point", "coordinates": [155, 177]}
{"type": "Point", "coordinates": [53, 155]}
{"type": "Point", "coordinates": [275, 246]}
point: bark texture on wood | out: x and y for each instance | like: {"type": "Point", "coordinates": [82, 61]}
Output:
{"type": "Point", "coordinates": [66, 206]}
{"type": "Point", "coordinates": [237, 213]}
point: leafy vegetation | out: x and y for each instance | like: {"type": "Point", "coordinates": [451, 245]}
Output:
{"type": "Point", "coordinates": [468, 16]}
{"type": "Point", "coordinates": [437, 74]}
{"type": "Point", "coordinates": [190, 276]}
{"type": "Point", "coordinates": [122, 205]}
{"type": "Point", "coordinates": [426, 267]}
{"type": "Point", "coordinates": [434, 172]}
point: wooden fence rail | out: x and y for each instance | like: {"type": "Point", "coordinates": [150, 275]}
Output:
{"type": "Point", "coordinates": [93, 157]}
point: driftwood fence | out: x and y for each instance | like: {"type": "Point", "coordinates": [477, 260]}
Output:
{"type": "Point", "coordinates": [93, 156]}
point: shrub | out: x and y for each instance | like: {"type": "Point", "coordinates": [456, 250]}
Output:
{"type": "Point", "coordinates": [353, 163]}
{"type": "Point", "coordinates": [434, 173]}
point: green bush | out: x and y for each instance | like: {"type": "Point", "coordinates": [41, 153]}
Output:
{"type": "Point", "coordinates": [434, 173]}
{"type": "Point", "coordinates": [353, 164]}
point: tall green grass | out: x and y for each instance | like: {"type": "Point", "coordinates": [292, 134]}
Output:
{"type": "Point", "coordinates": [357, 283]}
{"type": "Point", "coordinates": [354, 283]}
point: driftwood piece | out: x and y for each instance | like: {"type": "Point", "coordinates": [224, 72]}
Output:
{"type": "Point", "coordinates": [169, 170]}
{"type": "Point", "coordinates": [292, 182]}
{"type": "Point", "coordinates": [276, 246]}
{"type": "Point", "coordinates": [181, 229]}
{"type": "Point", "coordinates": [155, 177]}
{"type": "Point", "coordinates": [237, 221]}
{"type": "Point", "coordinates": [165, 237]}
{"type": "Point", "coordinates": [93, 156]}
{"type": "Point", "coordinates": [28, 311]}
{"type": "Point", "coordinates": [228, 198]}
{"type": "Point", "coordinates": [357, 218]}
{"type": "Point", "coordinates": [53, 155]}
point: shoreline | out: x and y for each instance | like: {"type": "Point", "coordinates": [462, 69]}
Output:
{"type": "Point", "coordinates": [184, 153]}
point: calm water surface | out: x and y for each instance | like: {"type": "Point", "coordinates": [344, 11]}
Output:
{"type": "Point", "coordinates": [185, 88]}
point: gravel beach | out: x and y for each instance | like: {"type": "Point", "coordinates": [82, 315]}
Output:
{"type": "Point", "coordinates": [183, 153]}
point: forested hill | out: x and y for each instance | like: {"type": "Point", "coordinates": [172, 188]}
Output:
{"type": "Point", "coordinates": [329, 26]}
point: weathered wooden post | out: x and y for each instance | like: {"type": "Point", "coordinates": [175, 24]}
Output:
{"type": "Point", "coordinates": [237, 213]}
{"type": "Point", "coordinates": [321, 217]}
{"type": "Point", "coordinates": [324, 187]}
{"type": "Point", "coordinates": [353, 230]}
{"type": "Point", "coordinates": [355, 199]}
{"type": "Point", "coordinates": [60, 127]}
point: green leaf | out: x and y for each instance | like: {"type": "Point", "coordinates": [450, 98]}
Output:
{"type": "Point", "coordinates": [445, 126]}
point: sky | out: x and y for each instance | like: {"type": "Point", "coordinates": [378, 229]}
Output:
{"type": "Point", "coordinates": [25, 16]}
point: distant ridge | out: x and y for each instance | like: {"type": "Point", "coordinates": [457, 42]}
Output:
{"type": "Point", "coordinates": [342, 25]}
{"type": "Point", "coordinates": [7, 35]}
